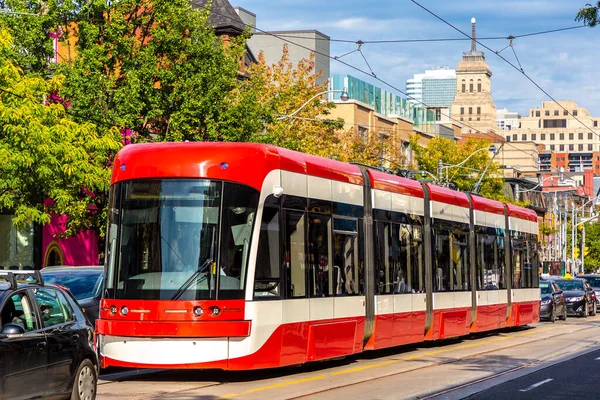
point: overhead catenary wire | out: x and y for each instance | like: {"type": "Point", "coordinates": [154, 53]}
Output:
{"type": "Point", "coordinates": [386, 41]}
{"type": "Point", "coordinates": [509, 63]}
{"type": "Point", "coordinates": [376, 78]}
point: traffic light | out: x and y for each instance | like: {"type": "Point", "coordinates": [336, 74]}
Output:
{"type": "Point", "coordinates": [576, 251]}
{"type": "Point", "coordinates": [586, 250]}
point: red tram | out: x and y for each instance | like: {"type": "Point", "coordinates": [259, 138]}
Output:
{"type": "Point", "coordinates": [244, 256]}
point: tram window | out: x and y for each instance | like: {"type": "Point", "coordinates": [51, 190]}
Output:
{"type": "Point", "coordinates": [502, 283]}
{"type": "Point", "coordinates": [402, 282]}
{"type": "Point", "coordinates": [382, 263]}
{"type": "Point", "coordinates": [452, 262]}
{"type": "Point", "coordinates": [346, 277]}
{"type": "Point", "coordinates": [295, 254]}
{"type": "Point", "coordinates": [238, 216]}
{"type": "Point", "coordinates": [517, 264]}
{"type": "Point", "coordinates": [267, 282]}
{"type": "Point", "coordinates": [348, 210]}
{"type": "Point", "coordinates": [417, 272]}
{"type": "Point", "coordinates": [320, 206]}
{"type": "Point", "coordinates": [442, 263]}
{"type": "Point", "coordinates": [488, 271]}
{"type": "Point", "coordinates": [294, 202]}
{"type": "Point", "coordinates": [319, 248]}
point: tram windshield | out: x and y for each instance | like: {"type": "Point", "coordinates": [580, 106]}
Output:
{"type": "Point", "coordinates": [179, 239]}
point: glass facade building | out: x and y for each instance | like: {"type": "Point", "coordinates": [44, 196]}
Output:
{"type": "Point", "coordinates": [439, 92]}
{"type": "Point", "coordinates": [384, 102]}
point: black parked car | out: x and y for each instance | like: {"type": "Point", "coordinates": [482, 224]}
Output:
{"type": "Point", "coordinates": [594, 281]}
{"type": "Point", "coordinates": [45, 341]}
{"type": "Point", "coordinates": [84, 283]}
{"type": "Point", "coordinates": [553, 303]}
{"type": "Point", "coordinates": [581, 299]}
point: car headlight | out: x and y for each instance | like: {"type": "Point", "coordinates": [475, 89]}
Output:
{"type": "Point", "coordinates": [573, 299]}
{"type": "Point", "coordinates": [544, 302]}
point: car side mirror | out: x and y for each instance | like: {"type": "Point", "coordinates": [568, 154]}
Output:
{"type": "Point", "coordinates": [557, 292]}
{"type": "Point", "coordinates": [12, 329]}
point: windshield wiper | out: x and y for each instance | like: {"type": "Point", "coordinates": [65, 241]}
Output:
{"type": "Point", "coordinates": [192, 278]}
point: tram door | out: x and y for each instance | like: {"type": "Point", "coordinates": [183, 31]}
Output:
{"type": "Point", "coordinates": [346, 274]}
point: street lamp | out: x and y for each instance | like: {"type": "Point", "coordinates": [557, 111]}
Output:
{"type": "Point", "coordinates": [442, 166]}
{"type": "Point", "coordinates": [344, 97]}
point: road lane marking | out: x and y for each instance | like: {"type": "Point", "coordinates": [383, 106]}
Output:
{"type": "Point", "coordinates": [388, 362]}
{"type": "Point", "coordinates": [275, 386]}
{"type": "Point", "coordinates": [536, 385]}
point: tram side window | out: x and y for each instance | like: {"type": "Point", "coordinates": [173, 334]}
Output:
{"type": "Point", "coordinates": [452, 261]}
{"type": "Point", "coordinates": [535, 261]}
{"type": "Point", "coordinates": [488, 265]}
{"type": "Point", "coordinates": [502, 283]}
{"type": "Point", "coordinates": [417, 272]}
{"type": "Point", "coordinates": [267, 283]}
{"type": "Point", "coordinates": [347, 272]}
{"type": "Point", "coordinates": [294, 254]}
{"type": "Point", "coordinates": [518, 259]}
{"type": "Point", "coordinates": [319, 248]}
{"type": "Point", "coordinates": [382, 266]}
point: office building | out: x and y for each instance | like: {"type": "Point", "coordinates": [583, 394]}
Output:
{"type": "Point", "coordinates": [507, 120]}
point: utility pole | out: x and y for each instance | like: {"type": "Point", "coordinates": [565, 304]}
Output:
{"type": "Point", "coordinates": [573, 232]}
{"type": "Point", "coordinates": [582, 246]}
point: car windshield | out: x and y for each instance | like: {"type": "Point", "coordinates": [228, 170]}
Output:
{"type": "Point", "coordinates": [593, 280]}
{"type": "Point", "coordinates": [568, 284]}
{"type": "Point", "coordinates": [82, 284]}
{"type": "Point", "coordinates": [546, 287]}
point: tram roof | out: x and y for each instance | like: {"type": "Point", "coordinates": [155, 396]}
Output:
{"type": "Point", "coordinates": [487, 205]}
{"type": "Point", "coordinates": [396, 184]}
{"type": "Point", "coordinates": [448, 196]}
{"type": "Point", "coordinates": [522, 213]}
{"type": "Point", "coordinates": [247, 163]}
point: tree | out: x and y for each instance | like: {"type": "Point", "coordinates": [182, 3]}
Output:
{"type": "Point", "coordinates": [45, 154]}
{"type": "Point", "coordinates": [284, 88]}
{"type": "Point", "coordinates": [589, 14]}
{"type": "Point", "coordinates": [156, 68]}
{"type": "Point", "coordinates": [592, 241]}
{"type": "Point", "coordinates": [451, 153]}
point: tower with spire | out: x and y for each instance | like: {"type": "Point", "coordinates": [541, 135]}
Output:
{"type": "Point", "coordinates": [473, 104]}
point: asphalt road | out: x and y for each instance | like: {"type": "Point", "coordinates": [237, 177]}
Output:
{"type": "Point", "coordinates": [494, 365]}
{"type": "Point", "coordinates": [576, 378]}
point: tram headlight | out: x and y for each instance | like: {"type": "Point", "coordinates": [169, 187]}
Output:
{"type": "Point", "coordinates": [113, 310]}
{"type": "Point", "coordinates": [124, 310]}
{"type": "Point", "coordinates": [215, 311]}
{"type": "Point", "coordinates": [198, 311]}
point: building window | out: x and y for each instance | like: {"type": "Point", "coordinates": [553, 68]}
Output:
{"type": "Point", "coordinates": [555, 123]}
{"type": "Point", "coordinates": [574, 113]}
{"type": "Point", "coordinates": [580, 147]}
{"type": "Point", "coordinates": [562, 147]}
{"type": "Point", "coordinates": [595, 124]}
{"type": "Point", "coordinates": [470, 110]}
{"type": "Point", "coordinates": [478, 119]}
{"type": "Point", "coordinates": [438, 114]}
{"type": "Point", "coordinates": [537, 113]}
{"type": "Point", "coordinates": [479, 87]}
{"type": "Point", "coordinates": [470, 118]}
{"type": "Point", "coordinates": [552, 147]}
{"type": "Point", "coordinates": [562, 136]}
{"type": "Point", "coordinates": [543, 136]}
{"type": "Point", "coordinates": [556, 113]}
{"type": "Point", "coordinates": [552, 136]}
{"type": "Point", "coordinates": [363, 132]}
{"type": "Point", "coordinates": [478, 110]}
{"type": "Point", "coordinates": [590, 147]}
{"type": "Point", "coordinates": [462, 110]}
{"type": "Point", "coordinates": [462, 119]}
{"type": "Point", "coordinates": [580, 135]}
{"type": "Point", "coordinates": [471, 87]}
{"type": "Point", "coordinates": [524, 136]}
{"type": "Point", "coordinates": [547, 113]}
{"type": "Point", "coordinates": [508, 138]}
{"type": "Point", "coordinates": [590, 135]}
{"type": "Point", "coordinates": [464, 87]}
{"type": "Point", "coordinates": [514, 137]}
{"type": "Point", "coordinates": [571, 147]}
{"type": "Point", "coordinates": [533, 136]}
{"type": "Point", "coordinates": [565, 113]}
{"type": "Point", "coordinates": [571, 136]}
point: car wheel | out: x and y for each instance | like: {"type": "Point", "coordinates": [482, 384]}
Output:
{"type": "Point", "coordinates": [585, 310]}
{"type": "Point", "coordinates": [553, 315]}
{"type": "Point", "coordinates": [564, 317]}
{"type": "Point", "coordinates": [86, 381]}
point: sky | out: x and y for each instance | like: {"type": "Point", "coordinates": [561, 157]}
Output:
{"type": "Point", "coordinates": [565, 64]}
